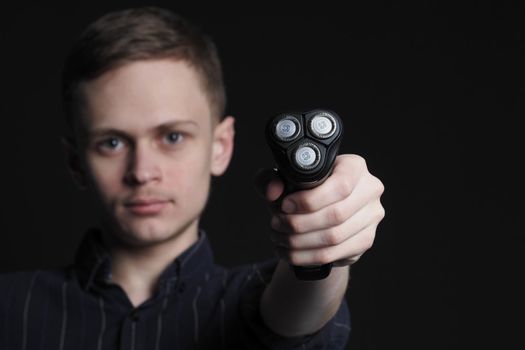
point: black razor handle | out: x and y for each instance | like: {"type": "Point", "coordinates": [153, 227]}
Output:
{"type": "Point", "coordinates": [304, 147]}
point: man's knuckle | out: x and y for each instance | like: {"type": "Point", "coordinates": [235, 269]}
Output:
{"type": "Point", "coordinates": [308, 204]}
{"type": "Point", "coordinates": [333, 236]}
{"type": "Point", "coordinates": [293, 242]}
{"type": "Point", "coordinates": [294, 258]}
{"type": "Point", "coordinates": [293, 224]}
{"type": "Point", "coordinates": [378, 185]}
{"type": "Point", "coordinates": [323, 256]}
{"type": "Point", "coordinates": [380, 213]}
{"type": "Point", "coordinates": [367, 241]}
{"type": "Point", "coordinates": [346, 186]}
{"type": "Point", "coordinates": [337, 215]}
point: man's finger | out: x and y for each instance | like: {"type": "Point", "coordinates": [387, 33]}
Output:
{"type": "Point", "coordinates": [339, 185]}
{"type": "Point", "coordinates": [268, 184]}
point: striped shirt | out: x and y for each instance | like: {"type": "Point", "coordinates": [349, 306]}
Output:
{"type": "Point", "coordinates": [197, 305]}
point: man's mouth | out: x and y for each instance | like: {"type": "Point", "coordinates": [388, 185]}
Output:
{"type": "Point", "coordinates": [146, 206]}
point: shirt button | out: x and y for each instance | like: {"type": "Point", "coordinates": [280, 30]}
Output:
{"type": "Point", "coordinates": [134, 315]}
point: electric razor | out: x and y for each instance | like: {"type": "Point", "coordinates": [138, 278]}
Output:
{"type": "Point", "coordinates": [304, 147]}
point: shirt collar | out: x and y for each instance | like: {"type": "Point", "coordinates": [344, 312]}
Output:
{"type": "Point", "coordinates": [93, 263]}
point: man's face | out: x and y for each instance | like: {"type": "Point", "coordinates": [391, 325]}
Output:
{"type": "Point", "coordinates": [150, 147]}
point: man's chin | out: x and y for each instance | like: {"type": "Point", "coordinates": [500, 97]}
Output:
{"type": "Point", "coordinates": [147, 236]}
{"type": "Point", "coordinates": [147, 231]}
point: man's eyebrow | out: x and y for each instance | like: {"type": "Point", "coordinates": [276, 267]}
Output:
{"type": "Point", "coordinates": [164, 126]}
{"type": "Point", "coordinates": [176, 123]}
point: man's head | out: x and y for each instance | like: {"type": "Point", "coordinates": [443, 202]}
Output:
{"type": "Point", "coordinates": [144, 97]}
{"type": "Point", "coordinates": [146, 33]}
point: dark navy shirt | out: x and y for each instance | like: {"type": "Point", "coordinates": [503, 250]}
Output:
{"type": "Point", "coordinates": [197, 305]}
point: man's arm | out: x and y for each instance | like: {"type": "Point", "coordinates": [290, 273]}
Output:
{"type": "Point", "coordinates": [291, 307]}
{"type": "Point", "coordinates": [334, 222]}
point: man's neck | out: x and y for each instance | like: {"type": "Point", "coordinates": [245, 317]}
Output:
{"type": "Point", "coordinates": [137, 269]}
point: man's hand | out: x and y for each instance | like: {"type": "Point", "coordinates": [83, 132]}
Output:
{"type": "Point", "coordinates": [333, 222]}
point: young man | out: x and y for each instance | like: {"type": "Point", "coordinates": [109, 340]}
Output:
{"type": "Point", "coordinates": [144, 98]}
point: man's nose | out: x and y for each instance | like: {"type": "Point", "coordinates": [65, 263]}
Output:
{"type": "Point", "coordinates": [143, 166]}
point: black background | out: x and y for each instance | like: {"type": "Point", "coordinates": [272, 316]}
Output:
{"type": "Point", "coordinates": [431, 96]}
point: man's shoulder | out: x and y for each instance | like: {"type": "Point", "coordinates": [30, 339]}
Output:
{"type": "Point", "coordinates": [17, 281]}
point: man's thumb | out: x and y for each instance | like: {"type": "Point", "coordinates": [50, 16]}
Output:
{"type": "Point", "coordinates": [268, 184]}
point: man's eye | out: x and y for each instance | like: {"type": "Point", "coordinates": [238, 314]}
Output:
{"type": "Point", "coordinates": [173, 137]}
{"type": "Point", "coordinates": [112, 143]}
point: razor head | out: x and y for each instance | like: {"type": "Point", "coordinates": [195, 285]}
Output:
{"type": "Point", "coordinates": [305, 145]}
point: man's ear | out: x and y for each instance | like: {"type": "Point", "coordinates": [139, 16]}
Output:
{"type": "Point", "coordinates": [73, 162]}
{"type": "Point", "coordinates": [222, 148]}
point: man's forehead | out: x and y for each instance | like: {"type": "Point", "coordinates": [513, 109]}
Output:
{"type": "Point", "coordinates": [146, 93]}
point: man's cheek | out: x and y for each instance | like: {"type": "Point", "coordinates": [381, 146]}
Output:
{"type": "Point", "coordinates": [106, 193]}
{"type": "Point", "coordinates": [105, 178]}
